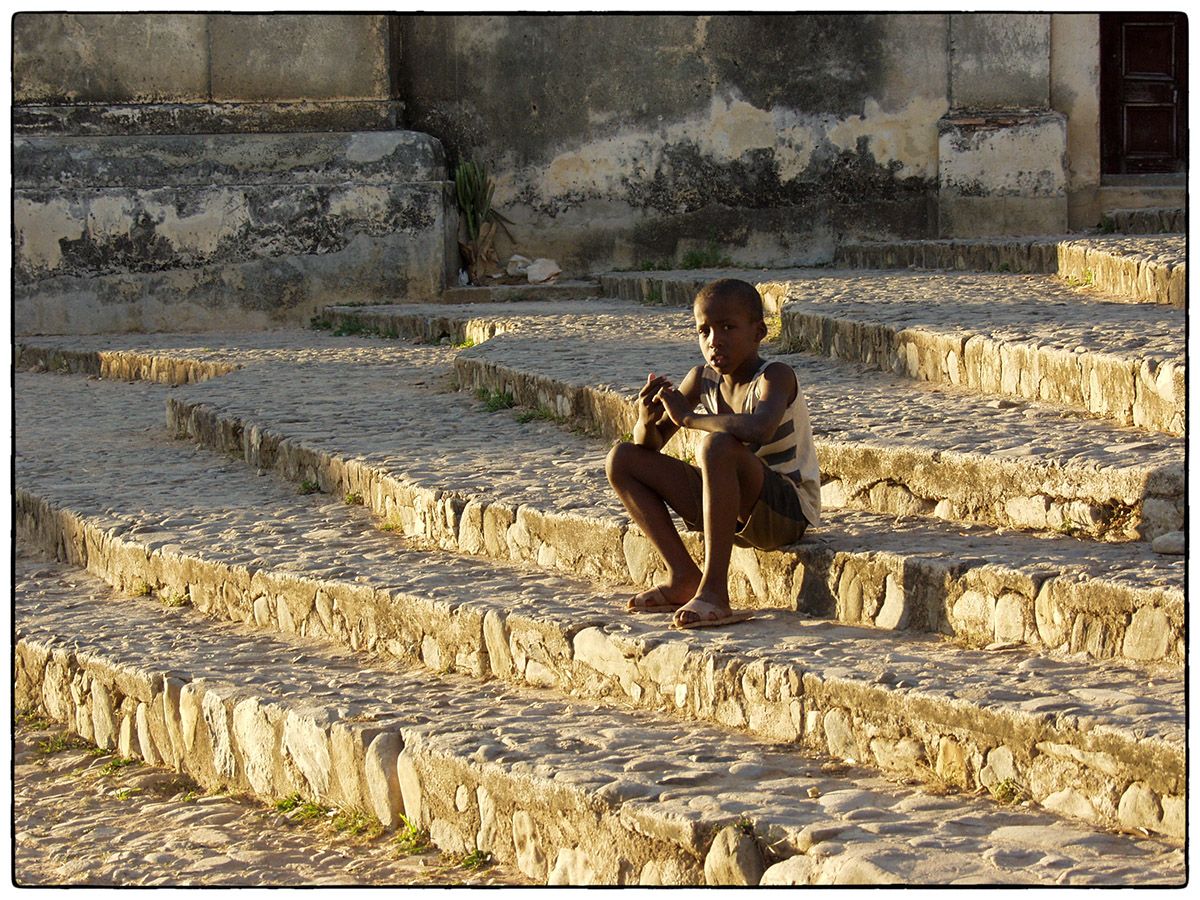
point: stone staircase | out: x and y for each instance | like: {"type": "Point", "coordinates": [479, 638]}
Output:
{"type": "Point", "coordinates": [388, 574]}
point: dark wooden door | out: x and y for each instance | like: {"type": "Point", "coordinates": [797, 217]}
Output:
{"type": "Point", "coordinates": [1143, 92]}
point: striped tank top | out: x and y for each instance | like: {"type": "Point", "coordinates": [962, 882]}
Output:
{"type": "Point", "coordinates": [790, 450]}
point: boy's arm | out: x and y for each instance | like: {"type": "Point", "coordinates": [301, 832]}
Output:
{"type": "Point", "coordinates": [778, 392]}
{"type": "Point", "coordinates": [654, 427]}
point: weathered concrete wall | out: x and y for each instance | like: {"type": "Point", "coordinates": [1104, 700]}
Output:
{"type": "Point", "coordinates": [1075, 92]}
{"type": "Point", "coordinates": [93, 73]}
{"type": "Point", "coordinates": [186, 232]}
{"type": "Point", "coordinates": [626, 139]}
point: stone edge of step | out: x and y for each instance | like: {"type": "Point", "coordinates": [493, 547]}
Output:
{"type": "Point", "coordinates": [843, 717]}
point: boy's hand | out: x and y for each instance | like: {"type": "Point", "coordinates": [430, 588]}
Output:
{"type": "Point", "coordinates": [650, 410]}
{"type": "Point", "coordinates": [674, 403]}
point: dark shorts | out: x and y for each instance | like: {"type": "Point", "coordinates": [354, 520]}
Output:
{"type": "Point", "coordinates": [776, 519]}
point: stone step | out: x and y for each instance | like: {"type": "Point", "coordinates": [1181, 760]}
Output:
{"type": "Point", "coordinates": [1137, 270]}
{"type": "Point", "coordinates": [1147, 220]}
{"type": "Point", "coordinates": [1010, 335]}
{"type": "Point", "coordinates": [568, 792]}
{"type": "Point", "coordinates": [1141, 269]}
{"type": "Point", "coordinates": [939, 451]}
{"type": "Point", "coordinates": [1102, 378]}
{"type": "Point", "coordinates": [195, 528]}
{"type": "Point", "coordinates": [515, 487]}
{"type": "Point", "coordinates": [1001, 335]}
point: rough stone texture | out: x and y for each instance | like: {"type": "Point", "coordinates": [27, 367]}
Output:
{"type": "Point", "coordinates": [1146, 270]}
{"type": "Point", "coordinates": [546, 765]}
{"type": "Point", "coordinates": [733, 859]}
{"type": "Point", "coordinates": [187, 232]}
{"type": "Point", "coordinates": [1148, 220]}
{"type": "Point", "coordinates": [842, 573]}
{"type": "Point", "coordinates": [1026, 706]}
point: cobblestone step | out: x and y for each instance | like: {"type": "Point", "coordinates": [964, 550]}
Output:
{"type": "Point", "coordinates": [192, 526]}
{"type": "Point", "coordinates": [498, 486]}
{"type": "Point", "coordinates": [1134, 269]}
{"type": "Point", "coordinates": [938, 451]}
{"type": "Point", "coordinates": [568, 792]}
{"type": "Point", "coordinates": [1029, 337]}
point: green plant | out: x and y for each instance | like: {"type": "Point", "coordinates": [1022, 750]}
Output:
{"type": "Point", "coordinates": [1004, 267]}
{"type": "Point", "coordinates": [141, 589]}
{"type": "Point", "coordinates": [309, 487]}
{"type": "Point", "coordinates": [190, 797]}
{"type": "Point", "coordinates": [626, 437]}
{"type": "Point", "coordinates": [410, 838]}
{"type": "Point", "coordinates": [30, 718]}
{"type": "Point", "coordinates": [320, 323]}
{"type": "Point", "coordinates": [708, 258]}
{"type": "Point", "coordinates": [126, 792]}
{"type": "Point", "coordinates": [475, 189]}
{"type": "Point", "coordinates": [1006, 792]}
{"type": "Point", "coordinates": [305, 810]}
{"type": "Point", "coordinates": [495, 401]}
{"type": "Point", "coordinates": [117, 764]}
{"type": "Point", "coordinates": [654, 294]}
{"type": "Point", "coordinates": [358, 823]}
{"type": "Point", "coordinates": [476, 859]}
{"type": "Point", "coordinates": [56, 744]}
{"type": "Point", "coordinates": [353, 498]}
{"type": "Point", "coordinates": [745, 826]}
{"type": "Point", "coordinates": [173, 598]}
{"type": "Point", "coordinates": [465, 344]}
{"type": "Point", "coordinates": [390, 526]}
{"type": "Point", "coordinates": [542, 412]}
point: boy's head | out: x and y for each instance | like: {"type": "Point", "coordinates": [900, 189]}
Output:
{"type": "Point", "coordinates": [741, 295]}
{"type": "Point", "coordinates": [729, 324]}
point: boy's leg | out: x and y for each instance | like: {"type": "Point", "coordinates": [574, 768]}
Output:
{"type": "Point", "coordinates": [733, 479]}
{"type": "Point", "coordinates": [648, 482]}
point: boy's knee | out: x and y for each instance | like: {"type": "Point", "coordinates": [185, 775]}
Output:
{"type": "Point", "coordinates": [619, 458]}
{"type": "Point", "coordinates": [716, 445]}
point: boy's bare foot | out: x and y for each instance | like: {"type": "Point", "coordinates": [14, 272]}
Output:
{"type": "Point", "coordinates": [664, 597]}
{"type": "Point", "coordinates": [705, 611]}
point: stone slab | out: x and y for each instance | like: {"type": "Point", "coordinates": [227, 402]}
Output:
{"type": "Point", "coordinates": [570, 793]}
{"type": "Point", "coordinates": [232, 543]}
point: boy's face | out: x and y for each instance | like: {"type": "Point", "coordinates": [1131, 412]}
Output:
{"type": "Point", "coordinates": [729, 335]}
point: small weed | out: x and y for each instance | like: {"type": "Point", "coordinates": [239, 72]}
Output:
{"type": "Point", "coordinates": [745, 826]}
{"type": "Point", "coordinates": [542, 412]}
{"type": "Point", "coordinates": [464, 345]}
{"type": "Point", "coordinates": [97, 751]}
{"type": "Point", "coordinates": [494, 401]}
{"type": "Point", "coordinates": [320, 323]}
{"type": "Point", "coordinates": [28, 718]}
{"type": "Point", "coordinates": [190, 797]}
{"type": "Point", "coordinates": [141, 589]}
{"type": "Point", "coordinates": [654, 295]}
{"type": "Point", "coordinates": [309, 487]}
{"type": "Point", "coordinates": [348, 327]}
{"type": "Point", "coordinates": [410, 838]}
{"type": "Point", "coordinates": [56, 744]}
{"type": "Point", "coordinates": [126, 792]}
{"type": "Point", "coordinates": [173, 599]}
{"type": "Point", "coordinates": [1004, 267]}
{"type": "Point", "coordinates": [653, 265]}
{"type": "Point", "coordinates": [1006, 792]}
{"type": "Point", "coordinates": [358, 823]}
{"type": "Point", "coordinates": [353, 498]}
{"type": "Point", "coordinates": [476, 859]}
{"type": "Point", "coordinates": [1108, 225]}
{"type": "Point", "coordinates": [708, 258]}
{"type": "Point", "coordinates": [305, 810]}
{"type": "Point", "coordinates": [115, 765]}
{"type": "Point", "coordinates": [390, 526]}
{"type": "Point", "coordinates": [626, 437]}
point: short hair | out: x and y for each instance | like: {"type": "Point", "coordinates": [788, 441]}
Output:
{"type": "Point", "coordinates": [741, 292]}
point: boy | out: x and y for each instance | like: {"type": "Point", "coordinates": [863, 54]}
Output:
{"type": "Point", "coordinates": [756, 482]}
